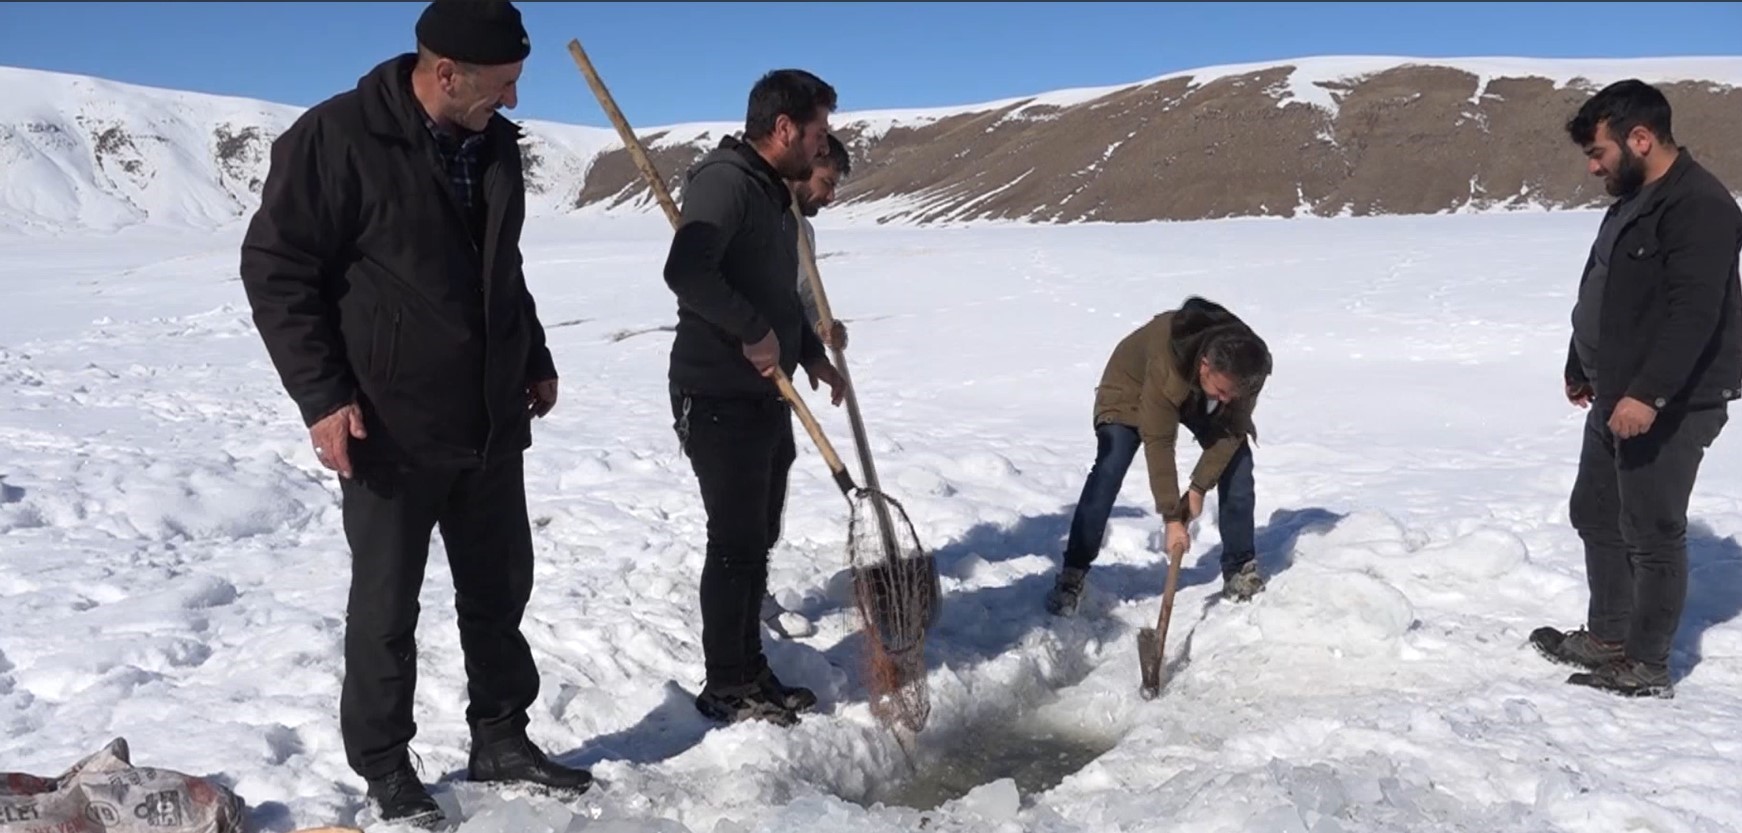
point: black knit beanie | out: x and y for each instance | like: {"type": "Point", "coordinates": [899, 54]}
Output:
{"type": "Point", "coordinates": [474, 31]}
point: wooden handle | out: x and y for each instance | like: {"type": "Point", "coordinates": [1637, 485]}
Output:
{"type": "Point", "coordinates": [1173, 564]}
{"type": "Point", "coordinates": [636, 151]}
{"type": "Point", "coordinates": [808, 260]}
{"type": "Point", "coordinates": [825, 322]}
{"type": "Point", "coordinates": [1174, 557]}
{"type": "Point", "coordinates": [842, 478]}
{"type": "Point", "coordinates": [661, 193]}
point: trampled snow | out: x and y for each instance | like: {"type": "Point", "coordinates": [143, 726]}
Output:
{"type": "Point", "coordinates": [176, 569]}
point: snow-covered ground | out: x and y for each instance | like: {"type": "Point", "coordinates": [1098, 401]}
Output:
{"type": "Point", "coordinates": [175, 571]}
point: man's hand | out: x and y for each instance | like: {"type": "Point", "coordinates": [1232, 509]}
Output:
{"type": "Point", "coordinates": [1178, 538]}
{"type": "Point", "coordinates": [1580, 394]}
{"type": "Point", "coordinates": [822, 371]}
{"type": "Point", "coordinates": [764, 354]}
{"type": "Point", "coordinates": [1631, 418]}
{"type": "Point", "coordinates": [541, 397]}
{"type": "Point", "coordinates": [837, 339]}
{"type": "Point", "coordinates": [332, 438]}
{"type": "Point", "coordinates": [1194, 504]}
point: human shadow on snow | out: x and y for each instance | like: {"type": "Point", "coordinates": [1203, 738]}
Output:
{"type": "Point", "coordinates": [1030, 535]}
{"type": "Point", "coordinates": [1714, 593]}
{"type": "Point", "coordinates": [988, 622]}
{"type": "Point", "coordinates": [973, 626]}
{"type": "Point", "coordinates": [672, 728]}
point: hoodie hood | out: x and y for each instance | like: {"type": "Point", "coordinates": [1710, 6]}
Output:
{"type": "Point", "coordinates": [740, 154]}
{"type": "Point", "coordinates": [1195, 324]}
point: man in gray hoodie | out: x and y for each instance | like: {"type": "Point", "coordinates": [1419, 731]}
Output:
{"type": "Point", "coordinates": [814, 195]}
{"type": "Point", "coordinates": [731, 266]}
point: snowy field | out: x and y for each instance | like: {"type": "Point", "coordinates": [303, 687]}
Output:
{"type": "Point", "coordinates": [175, 571]}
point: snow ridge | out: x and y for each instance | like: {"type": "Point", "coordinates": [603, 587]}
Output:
{"type": "Point", "coordinates": [89, 153]}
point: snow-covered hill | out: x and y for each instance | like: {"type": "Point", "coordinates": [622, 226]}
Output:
{"type": "Point", "coordinates": [1362, 135]}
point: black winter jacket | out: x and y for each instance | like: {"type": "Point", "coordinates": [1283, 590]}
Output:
{"type": "Point", "coordinates": [368, 285]}
{"type": "Point", "coordinates": [1671, 330]}
{"type": "Point", "coordinates": [732, 265]}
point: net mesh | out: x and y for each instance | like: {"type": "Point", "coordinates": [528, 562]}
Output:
{"type": "Point", "coordinates": [895, 588]}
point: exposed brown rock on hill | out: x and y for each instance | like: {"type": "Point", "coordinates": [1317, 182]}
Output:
{"type": "Point", "coordinates": [1411, 139]}
{"type": "Point", "coordinates": [1325, 136]}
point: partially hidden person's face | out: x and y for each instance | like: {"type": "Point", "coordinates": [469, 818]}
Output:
{"type": "Point", "coordinates": [475, 94]}
{"type": "Point", "coordinates": [1620, 164]}
{"type": "Point", "coordinates": [1216, 384]}
{"type": "Point", "coordinates": [816, 193]}
{"type": "Point", "coordinates": [805, 143]}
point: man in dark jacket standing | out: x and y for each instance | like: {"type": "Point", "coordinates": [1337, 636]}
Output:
{"type": "Point", "coordinates": [1656, 354]}
{"type": "Point", "coordinates": [384, 272]}
{"type": "Point", "coordinates": [731, 266]}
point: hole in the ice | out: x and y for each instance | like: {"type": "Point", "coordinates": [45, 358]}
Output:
{"type": "Point", "coordinates": [1035, 756]}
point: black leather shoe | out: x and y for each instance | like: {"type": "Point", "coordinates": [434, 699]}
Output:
{"type": "Point", "coordinates": [402, 798]}
{"type": "Point", "coordinates": [517, 760]}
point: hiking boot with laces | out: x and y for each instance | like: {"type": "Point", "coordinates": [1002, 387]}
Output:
{"type": "Point", "coordinates": [516, 760]}
{"type": "Point", "coordinates": [793, 698]}
{"type": "Point", "coordinates": [402, 798]}
{"type": "Point", "coordinates": [1576, 648]}
{"type": "Point", "coordinates": [1627, 677]}
{"type": "Point", "coordinates": [733, 704]}
{"type": "Point", "coordinates": [1066, 593]}
{"type": "Point", "coordinates": [1243, 584]}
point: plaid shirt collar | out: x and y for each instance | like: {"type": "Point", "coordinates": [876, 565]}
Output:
{"type": "Point", "coordinates": [461, 158]}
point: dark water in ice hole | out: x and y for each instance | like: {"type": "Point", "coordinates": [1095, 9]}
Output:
{"type": "Point", "coordinates": [1036, 757]}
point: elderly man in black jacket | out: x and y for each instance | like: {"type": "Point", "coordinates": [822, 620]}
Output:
{"type": "Point", "coordinates": [384, 272]}
{"type": "Point", "coordinates": [731, 266]}
{"type": "Point", "coordinates": [1656, 354]}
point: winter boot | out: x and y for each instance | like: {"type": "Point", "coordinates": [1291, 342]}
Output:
{"type": "Point", "coordinates": [401, 798]}
{"type": "Point", "coordinates": [1629, 678]}
{"type": "Point", "coordinates": [793, 698]}
{"type": "Point", "coordinates": [732, 704]}
{"type": "Point", "coordinates": [1576, 648]}
{"type": "Point", "coordinates": [1243, 584]}
{"type": "Point", "coordinates": [1066, 592]}
{"type": "Point", "coordinates": [515, 759]}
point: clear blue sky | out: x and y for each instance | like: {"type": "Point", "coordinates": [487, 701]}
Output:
{"type": "Point", "coordinates": [670, 62]}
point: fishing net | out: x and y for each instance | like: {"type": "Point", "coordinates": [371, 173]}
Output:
{"type": "Point", "coordinates": [895, 588]}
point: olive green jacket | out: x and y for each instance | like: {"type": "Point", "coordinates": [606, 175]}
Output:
{"type": "Point", "coordinates": [1145, 386]}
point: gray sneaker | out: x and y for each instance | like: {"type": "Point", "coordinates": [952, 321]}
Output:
{"type": "Point", "coordinates": [1243, 585]}
{"type": "Point", "coordinates": [1066, 592]}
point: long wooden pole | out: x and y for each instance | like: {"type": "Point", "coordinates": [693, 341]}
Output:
{"type": "Point", "coordinates": [825, 322]}
{"type": "Point", "coordinates": [630, 141]}
{"type": "Point", "coordinates": [663, 195]}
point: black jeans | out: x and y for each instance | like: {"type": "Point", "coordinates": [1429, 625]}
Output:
{"type": "Point", "coordinates": [740, 450]}
{"type": "Point", "coordinates": [1115, 447]}
{"type": "Point", "coordinates": [389, 514]}
{"type": "Point", "coordinates": [1630, 506]}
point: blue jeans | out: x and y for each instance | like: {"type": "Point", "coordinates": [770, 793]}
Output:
{"type": "Point", "coordinates": [1115, 447]}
